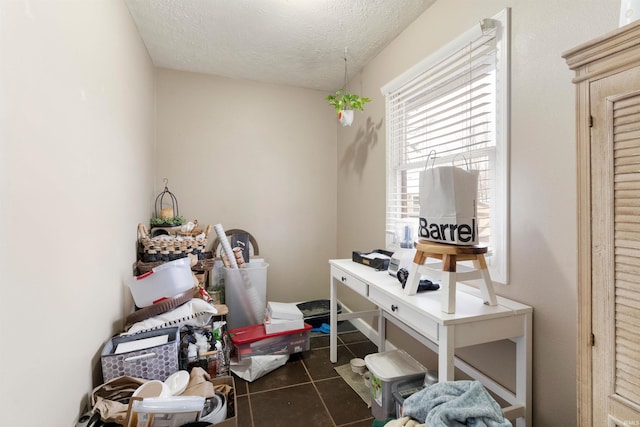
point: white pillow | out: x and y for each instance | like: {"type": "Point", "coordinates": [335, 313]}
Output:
{"type": "Point", "coordinates": [196, 312]}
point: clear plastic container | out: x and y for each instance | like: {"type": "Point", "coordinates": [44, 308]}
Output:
{"type": "Point", "coordinates": [174, 411]}
{"type": "Point", "coordinates": [253, 341]}
{"type": "Point", "coordinates": [164, 281]}
{"type": "Point", "coordinates": [245, 291]}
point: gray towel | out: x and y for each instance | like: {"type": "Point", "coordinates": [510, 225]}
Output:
{"type": "Point", "coordinates": [453, 404]}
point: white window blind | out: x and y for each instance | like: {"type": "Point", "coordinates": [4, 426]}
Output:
{"type": "Point", "coordinates": [454, 103]}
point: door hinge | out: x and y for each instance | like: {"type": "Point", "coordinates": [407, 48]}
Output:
{"type": "Point", "coordinates": [592, 340]}
{"type": "Point", "coordinates": [590, 121]}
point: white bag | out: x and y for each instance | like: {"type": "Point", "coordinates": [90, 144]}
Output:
{"type": "Point", "coordinates": [448, 212]}
{"type": "Point", "coordinates": [254, 367]}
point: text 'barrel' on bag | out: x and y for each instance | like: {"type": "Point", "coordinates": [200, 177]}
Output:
{"type": "Point", "coordinates": [448, 205]}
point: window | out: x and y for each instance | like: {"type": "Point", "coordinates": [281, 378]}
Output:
{"type": "Point", "coordinates": [454, 102]}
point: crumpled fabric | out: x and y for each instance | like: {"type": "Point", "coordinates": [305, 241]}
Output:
{"type": "Point", "coordinates": [404, 422]}
{"type": "Point", "coordinates": [455, 404]}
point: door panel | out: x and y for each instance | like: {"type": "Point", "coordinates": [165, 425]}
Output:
{"type": "Point", "coordinates": [615, 196]}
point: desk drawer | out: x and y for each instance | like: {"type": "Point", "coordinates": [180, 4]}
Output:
{"type": "Point", "coordinates": [407, 314]}
{"type": "Point", "coordinates": [348, 280]}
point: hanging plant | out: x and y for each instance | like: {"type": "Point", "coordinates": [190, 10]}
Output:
{"type": "Point", "coordinates": [167, 222]}
{"type": "Point", "coordinates": [345, 103]}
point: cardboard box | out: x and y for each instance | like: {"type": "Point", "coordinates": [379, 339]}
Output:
{"type": "Point", "coordinates": [232, 405]}
{"type": "Point", "coordinates": [283, 310]}
{"type": "Point", "coordinates": [232, 409]}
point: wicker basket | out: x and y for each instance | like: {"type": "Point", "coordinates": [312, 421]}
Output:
{"type": "Point", "coordinates": [196, 231]}
{"type": "Point", "coordinates": [201, 269]}
{"type": "Point", "coordinates": [168, 248]}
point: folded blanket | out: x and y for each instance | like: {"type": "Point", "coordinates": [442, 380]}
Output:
{"type": "Point", "coordinates": [453, 404]}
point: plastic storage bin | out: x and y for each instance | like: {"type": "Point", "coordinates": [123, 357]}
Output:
{"type": "Point", "coordinates": [174, 412]}
{"type": "Point", "coordinates": [405, 388]}
{"type": "Point", "coordinates": [317, 312]}
{"type": "Point", "coordinates": [400, 390]}
{"type": "Point", "coordinates": [164, 281]}
{"type": "Point", "coordinates": [385, 369]}
{"type": "Point", "coordinates": [254, 341]}
{"type": "Point", "coordinates": [155, 360]}
{"type": "Point", "coordinates": [245, 293]}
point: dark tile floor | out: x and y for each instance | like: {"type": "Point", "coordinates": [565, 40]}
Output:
{"type": "Point", "coordinates": [307, 390]}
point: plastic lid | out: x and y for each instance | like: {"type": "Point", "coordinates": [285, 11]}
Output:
{"type": "Point", "coordinates": [180, 262]}
{"type": "Point", "coordinates": [251, 333]}
{"type": "Point", "coordinates": [169, 405]}
{"type": "Point", "coordinates": [393, 365]}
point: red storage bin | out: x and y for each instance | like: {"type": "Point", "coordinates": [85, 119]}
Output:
{"type": "Point", "coordinates": [252, 340]}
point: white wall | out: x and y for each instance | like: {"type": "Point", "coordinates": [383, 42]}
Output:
{"type": "Point", "coordinates": [76, 177]}
{"type": "Point", "coordinates": [257, 157]}
{"type": "Point", "coordinates": [543, 168]}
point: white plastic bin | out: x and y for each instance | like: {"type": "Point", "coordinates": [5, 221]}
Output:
{"type": "Point", "coordinates": [386, 368]}
{"type": "Point", "coordinates": [164, 281]}
{"type": "Point", "coordinates": [245, 294]}
{"type": "Point", "coordinates": [173, 412]}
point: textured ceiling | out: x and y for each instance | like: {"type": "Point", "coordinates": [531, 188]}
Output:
{"type": "Point", "coordinates": [295, 42]}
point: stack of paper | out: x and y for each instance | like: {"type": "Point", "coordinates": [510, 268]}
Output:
{"type": "Point", "coordinates": [281, 317]}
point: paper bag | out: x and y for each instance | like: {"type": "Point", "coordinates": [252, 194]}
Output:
{"type": "Point", "coordinates": [448, 212]}
{"type": "Point", "coordinates": [107, 399]}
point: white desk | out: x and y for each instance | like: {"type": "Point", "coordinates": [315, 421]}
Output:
{"type": "Point", "coordinates": [421, 317]}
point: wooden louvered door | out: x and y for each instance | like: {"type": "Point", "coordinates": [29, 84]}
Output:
{"type": "Point", "coordinates": [615, 241]}
{"type": "Point", "coordinates": [607, 78]}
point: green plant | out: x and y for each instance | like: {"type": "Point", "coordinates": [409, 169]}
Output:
{"type": "Point", "coordinates": [176, 220]}
{"type": "Point", "coordinates": [342, 100]}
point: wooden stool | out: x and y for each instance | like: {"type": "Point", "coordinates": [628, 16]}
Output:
{"type": "Point", "coordinates": [449, 276]}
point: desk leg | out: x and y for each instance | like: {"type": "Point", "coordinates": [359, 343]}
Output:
{"type": "Point", "coordinates": [523, 371]}
{"type": "Point", "coordinates": [446, 353]}
{"type": "Point", "coordinates": [333, 322]}
{"type": "Point", "coordinates": [382, 331]}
